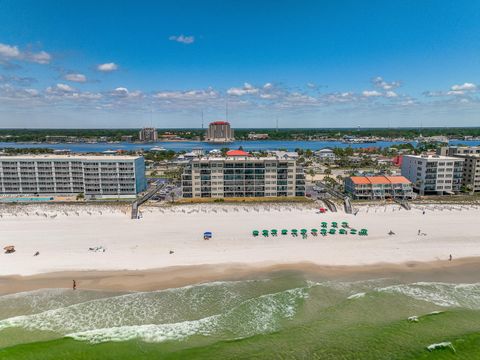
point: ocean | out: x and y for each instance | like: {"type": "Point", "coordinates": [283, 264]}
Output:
{"type": "Point", "coordinates": [283, 315]}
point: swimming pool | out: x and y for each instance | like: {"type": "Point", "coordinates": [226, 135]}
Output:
{"type": "Point", "coordinates": [27, 199]}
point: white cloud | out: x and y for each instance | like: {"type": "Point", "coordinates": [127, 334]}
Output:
{"type": "Point", "coordinates": [11, 52]}
{"type": "Point", "coordinates": [80, 78]}
{"type": "Point", "coordinates": [107, 67]}
{"type": "Point", "coordinates": [268, 86]}
{"type": "Point", "coordinates": [60, 88]}
{"type": "Point", "coordinates": [464, 87]}
{"type": "Point", "coordinates": [247, 89]}
{"type": "Point", "coordinates": [391, 94]}
{"type": "Point", "coordinates": [371, 93]}
{"type": "Point", "coordinates": [382, 84]}
{"type": "Point", "coordinates": [41, 57]}
{"type": "Point", "coordinates": [8, 51]}
{"type": "Point", "coordinates": [184, 39]}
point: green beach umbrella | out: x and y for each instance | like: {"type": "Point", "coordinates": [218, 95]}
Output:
{"type": "Point", "coordinates": [344, 224]}
{"type": "Point", "coordinates": [334, 224]}
{"type": "Point", "coordinates": [324, 224]}
{"type": "Point", "coordinates": [343, 231]}
{"type": "Point", "coordinates": [332, 231]}
{"type": "Point", "coordinates": [323, 231]}
{"type": "Point", "coordinates": [284, 232]}
{"type": "Point", "coordinates": [353, 231]}
{"type": "Point", "coordinates": [255, 232]}
{"type": "Point", "coordinates": [303, 231]}
{"type": "Point", "coordinates": [265, 232]}
{"type": "Point", "coordinates": [273, 232]}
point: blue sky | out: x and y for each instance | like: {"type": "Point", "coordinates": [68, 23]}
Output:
{"type": "Point", "coordinates": [307, 63]}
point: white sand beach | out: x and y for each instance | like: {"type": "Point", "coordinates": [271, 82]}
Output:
{"type": "Point", "coordinates": [63, 235]}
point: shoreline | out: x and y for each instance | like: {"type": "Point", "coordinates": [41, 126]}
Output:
{"type": "Point", "coordinates": [462, 270]}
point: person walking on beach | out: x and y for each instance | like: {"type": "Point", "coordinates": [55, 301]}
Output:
{"type": "Point", "coordinates": [419, 231]}
{"type": "Point", "coordinates": [450, 257]}
{"type": "Point", "coordinates": [74, 285]}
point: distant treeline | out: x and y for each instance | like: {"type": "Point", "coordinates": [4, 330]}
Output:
{"type": "Point", "coordinates": [43, 135]}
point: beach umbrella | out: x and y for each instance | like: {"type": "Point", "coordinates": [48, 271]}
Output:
{"type": "Point", "coordinates": [344, 224]}
{"type": "Point", "coordinates": [334, 224]}
{"type": "Point", "coordinates": [207, 235]}
{"type": "Point", "coordinates": [294, 231]}
{"type": "Point", "coordinates": [332, 231]}
{"type": "Point", "coordinates": [265, 232]}
{"type": "Point", "coordinates": [255, 232]}
{"type": "Point", "coordinates": [273, 232]}
{"type": "Point", "coordinates": [323, 231]}
{"type": "Point", "coordinates": [284, 232]}
{"type": "Point", "coordinates": [343, 231]}
{"type": "Point", "coordinates": [353, 231]}
{"type": "Point", "coordinates": [314, 230]}
{"type": "Point", "coordinates": [324, 224]}
{"type": "Point", "coordinates": [303, 231]}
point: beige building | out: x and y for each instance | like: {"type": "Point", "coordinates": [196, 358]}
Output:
{"type": "Point", "coordinates": [471, 171]}
{"type": "Point", "coordinates": [148, 135]}
{"type": "Point", "coordinates": [219, 132]}
{"type": "Point", "coordinates": [239, 174]}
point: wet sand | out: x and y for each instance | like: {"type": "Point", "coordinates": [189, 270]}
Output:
{"type": "Point", "coordinates": [465, 270]}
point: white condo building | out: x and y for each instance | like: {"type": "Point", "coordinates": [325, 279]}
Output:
{"type": "Point", "coordinates": [433, 174]}
{"type": "Point", "coordinates": [239, 174]}
{"type": "Point", "coordinates": [93, 176]}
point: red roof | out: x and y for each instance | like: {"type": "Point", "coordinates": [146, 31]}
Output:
{"type": "Point", "coordinates": [237, 153]}
{"type": "Point", "coordinates": [363, 180]}
{"type": "Point", "coordinates": [220, 123]}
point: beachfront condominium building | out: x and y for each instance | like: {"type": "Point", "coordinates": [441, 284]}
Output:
{"type": "Point", "coordinates": [93, 176]}
{"type": "Point", "coordinates": [471, 171]}
{"type": "Point", "coordinates": [433, 174]}
{"type": "Point", "coordinates": [238, 174]}
{"type": "Point", "coordinates": [219, 132]}
{"type": "Point", "coordinates": [148, 135]}
{"type": "Point", "coordinates": [378, 187]}
{"type": "Point", "coordinates": [458, 150]}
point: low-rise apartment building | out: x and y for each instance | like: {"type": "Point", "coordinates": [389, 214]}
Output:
{"type": "Point", "coordinates": [93, 176]}
{"type": "Point", "coordinates": [433, 174]}
{"type": "Point", "coordinates": [378, 187]}
{"type": "Point", "coordinates": [239, 174]}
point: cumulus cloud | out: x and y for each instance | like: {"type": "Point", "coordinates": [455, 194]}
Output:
{"type": "Point", "coordinates": [107, 67]}
{"type": "Point", "coordinates": [184, 39]}
{"type": "Point", "coordinates": [12, 52]}
{"type": "Point", "coordinates": [8, 51]}
{"type": "Point", "coordinates": [60, 88]}
{"type": "Point", "coordinates": [371, 93]}
{"type": "Point", "coordinates": [464, 87]}
{"type": "Point", "coordinates": [247, 89]}
{"type": "Point", "coordinates": [379, 82]}
{"type": "Point", "coordinates": [80, 78]}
